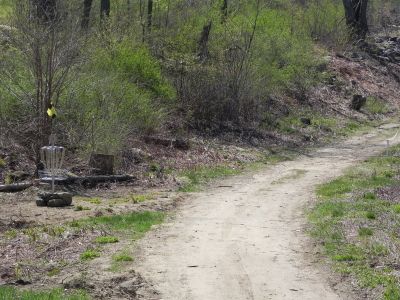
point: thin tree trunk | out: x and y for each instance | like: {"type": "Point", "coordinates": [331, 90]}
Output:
{"type": "Point", "coordinates": [224, 11]}
{"type": "Point", "coordinates": [356, 16]}
{"type": "Point", "coordinates": [87, 7]}
{"type": "Point", "coordinates": [105, 8]}
{"type": "Point", "coordinates": [203, 42]}
{"type": "Point", "coordinates": [149, 15]}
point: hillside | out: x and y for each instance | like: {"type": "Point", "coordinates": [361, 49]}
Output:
{"type": "Point", "coordinates": [178, 93]}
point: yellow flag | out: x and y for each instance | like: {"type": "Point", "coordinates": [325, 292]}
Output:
{"type": "Point", "coordinates": [51, 111]}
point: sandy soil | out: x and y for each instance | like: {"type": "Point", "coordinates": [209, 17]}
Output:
{"type": "Point", "coordinates": [245, 237]}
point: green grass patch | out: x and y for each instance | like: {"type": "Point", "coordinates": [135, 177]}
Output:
{"type": "Point", "coordinates": [364, 231]}
{"type": "Point", "coordinates": [89, 254]}
{"type": "Point", "coordinates": [376, 106]}
{"type": "Point", "coordinates": [350, 202]}
{"type": "Point", "coordinates": [201, 175]}
{"type": "Point", "coordinates": [11, 293]}
{"type": "Point", "coordinates": [53, 272]}
{"type": "Point", "coordinates": [134, 223]}
{"type": "Point", "coordinates": [81, 208]}
{"type": "Point", "coordinates": [106, 240]}
{"type": "Point", "coordinates": [92, 200]}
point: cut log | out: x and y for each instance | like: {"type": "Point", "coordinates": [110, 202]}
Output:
{"type": "Point", "coordinates": [13, 188]}
{"type": "Point", "coordinates": [91, 180]}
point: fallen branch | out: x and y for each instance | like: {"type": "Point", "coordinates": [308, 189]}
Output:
{"type": "Point", "coordinates": [91, 180]}
{"type": "Point", "coordinates": [13, 188]}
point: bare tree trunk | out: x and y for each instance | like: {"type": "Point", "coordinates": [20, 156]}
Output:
{"type": "Point", "coordinates": [105, 8]}
{"type": "Point", "coordinates": [149, 15]}
{"type": "Point", "coordinates": [356, 16]}
{"type": "Point", "coordinates": [87, 7]}
{"type": "Point", "coordinates": [224, 11]}
{"type": "Point", "coordinates": [203, 42]}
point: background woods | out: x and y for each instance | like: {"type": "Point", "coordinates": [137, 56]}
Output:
{"type": "Point", "coordinates": [123, 67]}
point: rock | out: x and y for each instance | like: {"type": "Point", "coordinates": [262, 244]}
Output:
{"type": "Point", "coordinates": [40, 202]}
{"type": "Point", "coordinates": [306, 121]}
{"type": "Point", "coordinates": [56, 203]}
{"type": "Point", "coordinates": [358, 102]}
{"type": "Point", "coordinates": [59, 199]}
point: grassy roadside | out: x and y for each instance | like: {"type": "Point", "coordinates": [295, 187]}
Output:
{"type": "Point", "coordinates": [357, 223]}
{"type": "Point", "coordinates": [193, 180]}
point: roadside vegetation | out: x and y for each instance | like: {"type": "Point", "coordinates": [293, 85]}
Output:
{"type": "Point", "coordinates": [356, 222]}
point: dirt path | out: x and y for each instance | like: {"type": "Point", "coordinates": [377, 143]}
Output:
{"type": "Point", "coordinates": [245, 239]}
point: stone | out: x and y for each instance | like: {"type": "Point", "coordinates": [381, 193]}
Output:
{"type": "Point", "coordinates": [306, 121]}
{"type": "Point", "coordinates": [59, 199]}
{"type": "Point", "coordinates": [40, 202]}
{"type": "Point", "coordinates": [358, 102]}
{"type": "Point", "coordinates": [56, 203]}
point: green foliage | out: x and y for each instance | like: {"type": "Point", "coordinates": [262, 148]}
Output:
{"type": "Point", "coordinates": [375, 106]}
{"type": "Point", "coordinates": [8, 293]}
{"type": "Point", "coordinates": [119, 90]}
{"type": "Point", "coordinates": [89, 254]}
{"type": "Point", "coordinates": [122, 257]}
{"type": "Point", "coordinates": [364, 231]}
{"type": "Point", "coordinates": [135, 223]}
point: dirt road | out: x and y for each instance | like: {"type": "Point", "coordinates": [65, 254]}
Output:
{"type": "Point", "coordinates": [244, 238]}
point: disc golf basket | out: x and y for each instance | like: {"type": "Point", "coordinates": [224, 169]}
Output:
{"type": "Point", "coordinates": [52, 158]}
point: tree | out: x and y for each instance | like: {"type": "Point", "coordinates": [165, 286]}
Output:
{"type": "Point", "coordinates": [46, 43]}
{"type": "Point", "coordinates": [203, 42]}
{"type": "Point", "coordinates": [87, 7]}
{"type": "Point", "coordinates": [105, 8]}
{"type": "Point", "coordinates": [356, 16]}
{"type": "Point", "coordinates": [149, 14]}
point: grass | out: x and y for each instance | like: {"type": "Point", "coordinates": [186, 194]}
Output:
{"type": "Point", "coordinates": [119, 260]}
{"type": "Point", "coordinates": [202, 175]}
{"type": "Point", "coordinates": [350, 204]}
{"type": "Point", "coordinates": [122, 257]}
{"type": "Point", "coordinates": [89, 254]}
{"type": "Point", "coordinates": [11, 293]}
{"type": "Point", "coordinates": [106, 240]}
{"type": "Point", "coordinates": [5, 10]}
{"type": "Point", "coordinates": [92, 200]}
{"type": "Point", "coordinates": [136, 223]}
{"type": "Point", "coordinates": [376, 106]}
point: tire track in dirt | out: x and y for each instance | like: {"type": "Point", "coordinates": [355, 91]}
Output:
{"type": "Point", "coordinates": [248, 241]}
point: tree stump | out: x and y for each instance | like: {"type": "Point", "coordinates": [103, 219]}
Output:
{"type": "Point", "coordinates": [102, 164]}
{"type": "Point", "coordinates": [358, 102]}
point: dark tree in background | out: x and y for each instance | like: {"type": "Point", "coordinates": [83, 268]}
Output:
{"type": "Point", "coordinates": [224, 11]}
{"type": "Point", "coordinates": [46, 10]}
{"type": "Point", "coordinates": [149, 14]}
{"type": "Point", "coordinates": [87, 7]}
{"type": "Point", "coordinates": [356, 16]}
{"type": "Point", "coordinates": [105, 8]}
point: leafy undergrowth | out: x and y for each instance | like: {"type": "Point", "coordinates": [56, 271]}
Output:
{"type": "Point", "coordinates": [357, 221]}
{"type": "Point", "coordinates": [8, 293]}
